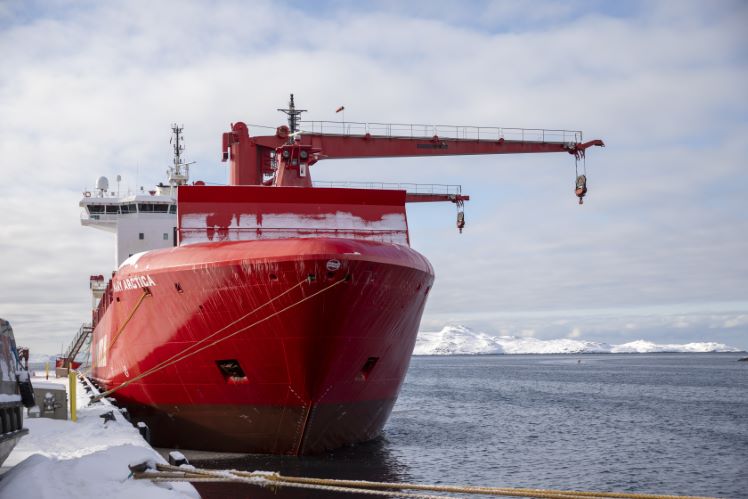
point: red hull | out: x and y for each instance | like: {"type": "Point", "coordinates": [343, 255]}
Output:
{"type": "Point", "coordinates": [323, 373]}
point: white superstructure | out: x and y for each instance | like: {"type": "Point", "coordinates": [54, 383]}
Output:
{"type": "Point", "coordinates": [141, 221]}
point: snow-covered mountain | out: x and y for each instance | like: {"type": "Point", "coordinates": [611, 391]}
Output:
{"type": "Point", "coordinates": [41, 358]}
{"type": "Point", "coordinates": [460, 340]}
{"type": "Point", "coordinates": [642, 346]}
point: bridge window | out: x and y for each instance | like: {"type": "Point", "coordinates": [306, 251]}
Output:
{"type": "Point", "coordinates": [173, 209]}
{"type": "Point", "coordinates": [161, 208]}
{"type": "Point", "coordinates": [96, 208]}
{"type": "Point", "coordinates": [145, 207]}
{"type": "Point", "coordinates": [112, 209]}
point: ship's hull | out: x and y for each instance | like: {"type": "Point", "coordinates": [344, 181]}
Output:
{"type": "Point", "coordinates": [289, 346]}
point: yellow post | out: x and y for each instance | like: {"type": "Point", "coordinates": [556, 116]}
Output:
{"type": "Point", "coordinates": [46, 370]}
{"type": "Point", "coordinates": [71, 394]}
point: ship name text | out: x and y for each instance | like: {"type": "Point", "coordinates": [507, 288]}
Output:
{"type": "Point", "coordinates": [140, 281]}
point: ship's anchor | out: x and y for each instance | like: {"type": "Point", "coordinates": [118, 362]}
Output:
{"type": "Point", "coordinates": [460, 214]}
{"type": "Point", "coordinates": [580, 188]}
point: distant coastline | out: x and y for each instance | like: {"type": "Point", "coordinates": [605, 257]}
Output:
{"type": "Point", "coordinates": [461, 340]}
{"type": "Point", "coordinates": [569, 353]}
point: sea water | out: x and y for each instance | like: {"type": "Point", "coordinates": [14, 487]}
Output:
{"type": "Point", "coordinates": [650, 423]}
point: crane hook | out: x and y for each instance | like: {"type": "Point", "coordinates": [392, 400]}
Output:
{"type": "Point", "coordinates": [460, 215]}
{"type": "Point", "coordinates": [581, 187]}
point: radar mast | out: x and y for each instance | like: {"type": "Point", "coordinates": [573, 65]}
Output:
{"type": "Point", "coordinates": [179, 172]}
{"type": "Point", "coordinates": [293, 118]}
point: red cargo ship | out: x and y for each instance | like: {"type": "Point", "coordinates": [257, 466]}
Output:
{"type": "Point", "coordinates": [275, 316]}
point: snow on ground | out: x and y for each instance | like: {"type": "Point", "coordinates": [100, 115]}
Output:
{"type": "Point", "coordinates": [460, 340]}
{"type": "Point", "coordinates": [89, 458]}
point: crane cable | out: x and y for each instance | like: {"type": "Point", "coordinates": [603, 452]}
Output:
{"type": "Point", "coordinates": [170, 473]}
{"type": "Point", "coordinates": [185, 353]}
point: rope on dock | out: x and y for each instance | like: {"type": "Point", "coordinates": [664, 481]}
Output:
{"type": "Point", "coordinates": [169, 473]}
{"type": "Point", "coordinates": [185, 353]}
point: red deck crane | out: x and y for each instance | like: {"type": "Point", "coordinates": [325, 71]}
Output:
{"type": "Point", "coordinates": [283, 159]}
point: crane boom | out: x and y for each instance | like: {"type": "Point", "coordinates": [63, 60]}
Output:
{"type": "Point", "coordinates": [284, 159]}
{"type": "Point", "coordinates": [367, 146]}
{"type": "Point", "coordinates": [252, 157]}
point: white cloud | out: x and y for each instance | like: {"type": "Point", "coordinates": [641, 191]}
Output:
{"type": "Point", "coordinates": [91, 89]}
{"type": "Point", "coordinates": [736, 322]}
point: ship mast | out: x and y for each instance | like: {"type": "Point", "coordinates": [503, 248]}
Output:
{"type": "Point", "coordinates": [293, 118]}
{"type": "Point", "coordinates": [179, 173]}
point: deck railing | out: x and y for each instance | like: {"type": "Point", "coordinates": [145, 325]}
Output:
{"type": "Point", "coordinates": [458, 132]}
{"type": "Point", "coordinates": [409, 187]}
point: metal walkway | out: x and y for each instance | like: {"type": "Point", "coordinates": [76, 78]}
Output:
{"type": "Point", "coordinates": [457, 132]}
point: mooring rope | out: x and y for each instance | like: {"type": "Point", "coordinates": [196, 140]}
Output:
{"type": "Point", "coordinates": [169, 473]}
{"type": "Point", "coordinates": [178, 357]}
{"type": "Point", "coordinates": [129, 316]}
{"type": "Point", "coordinates": [239, 319]}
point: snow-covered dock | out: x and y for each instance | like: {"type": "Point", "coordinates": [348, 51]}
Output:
{"type": "Point", "coordinates": [87, 458]}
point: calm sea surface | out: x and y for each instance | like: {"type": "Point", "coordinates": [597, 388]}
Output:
{"type": "Point", "coordinates": [654, 423]}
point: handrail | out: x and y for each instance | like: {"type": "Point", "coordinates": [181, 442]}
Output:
{"type": "Point", "coordinates": [457, 132]}
{"type": "Point", "coordinates": [78, 341]}
{"type": "Point", "coordinates": [300, 230]}
{"type": "Point", "coordinates": [411, 188]}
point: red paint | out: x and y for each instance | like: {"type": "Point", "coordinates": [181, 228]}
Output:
{"type": "Point", "coordinates": [60, 362]}
{"type": "Point", "coordinates": [310, 354]}
{"type": "Point", "coordinates": [303, 368]}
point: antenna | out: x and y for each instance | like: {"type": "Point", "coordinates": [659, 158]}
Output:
{"type": "Point", "coordinates": [293, 115]}
{"type": "Point", "coordinates": [179, 172]}
{"type": "Point", "coordinates": [178, 148]}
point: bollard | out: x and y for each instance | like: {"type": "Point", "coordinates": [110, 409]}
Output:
{"type": "Point", "coordinates": [176, 458]}
{"type": "Point", "coordinates": [145, 432]}
{"type": "Point", "coordinates": [71, 394]}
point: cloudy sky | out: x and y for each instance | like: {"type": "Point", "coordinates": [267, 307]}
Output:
{"type": "Point", "coordinates": [658, 251]}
